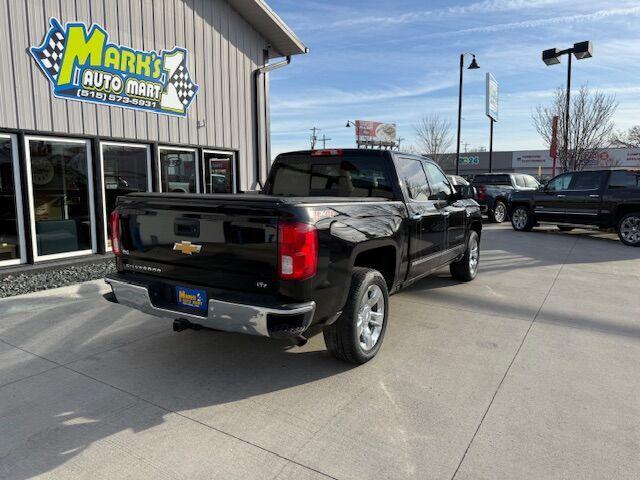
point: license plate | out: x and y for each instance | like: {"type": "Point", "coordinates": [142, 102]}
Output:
{"type": "Point", "coordinates": [192, 298]}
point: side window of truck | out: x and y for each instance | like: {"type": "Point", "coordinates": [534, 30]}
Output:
{"type": "Point", "coordinates": [624, 179]}
{"type": "Point", "coordinates": [587, 181]}
{"type": "Point", "coordinates": [559, 183]}
{"type": "Point", "coordinates": [412, 174]}
{"type": "Point", "coordinates": [440, 187]}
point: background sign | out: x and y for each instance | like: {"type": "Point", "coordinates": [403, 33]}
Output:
{"type": "Point", "coordinates": [375, 132]}
{"type": "Point", "coordinates": [492, 97]}
{"type": "Point", "coordinates": [81, 64]}
{"type": "Point", "coordinates": [608, 157]}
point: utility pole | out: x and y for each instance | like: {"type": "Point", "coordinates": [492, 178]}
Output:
{"type": "Point", "coordinates": [314, 137]}
{"type": "Point", "coordinates": [465, 146]}
{"type": "Point", "coordinates": [324, 141]}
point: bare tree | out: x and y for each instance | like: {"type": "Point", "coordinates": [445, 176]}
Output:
{"type": "Point", "coordinates": [590, 126]}
{"type": "Point", "coordinates": [628, 139]}
{"type": "Point", "coordinates": [433, 135]}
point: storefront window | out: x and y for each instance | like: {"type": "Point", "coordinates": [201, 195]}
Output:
{"type": "Point", "coordinates": [10, 223]}
{"type": "Point", "coordinates": [125, 170]}
{"type": "Point", "coordinates": [178, 170]}
{"type": "Point", "coordinates": [61, 196]}
{"type": "Point", "coordinates": [219, 171]}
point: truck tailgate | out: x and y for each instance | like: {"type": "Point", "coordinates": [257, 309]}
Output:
{"type": "Point", "coordinates": [227, 242]}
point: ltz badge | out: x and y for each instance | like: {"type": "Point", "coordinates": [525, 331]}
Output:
{"type": "Point", "coordinates": [83, 65]}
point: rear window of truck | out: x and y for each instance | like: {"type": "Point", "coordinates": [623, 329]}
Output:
{"type": "Point", "coordinates": [338, 176]}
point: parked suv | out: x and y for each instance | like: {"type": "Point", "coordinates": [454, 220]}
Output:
{"type": "Point", "coordinates": [333, 234]}
{"type": "Point", "coordinates": [494, 189]}
{"type": "Point", "coordinates": [605, 199]}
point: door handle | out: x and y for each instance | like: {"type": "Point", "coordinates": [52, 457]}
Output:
{"type": "Point", "coordinates": [594, 196]}
{"type": "Point", "coordinates": [560, 196]}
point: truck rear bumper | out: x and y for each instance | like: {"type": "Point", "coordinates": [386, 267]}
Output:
{"type": "Point", "coordinates": [279, 322]}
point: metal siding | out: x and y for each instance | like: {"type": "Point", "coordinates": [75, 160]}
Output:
{"type": "Point", "coordinates": [83, 13]}
{"type": "Point", "coordinates": [224, 51]}
{"type": "Point", "coordinates": [39, 83]}
{"type": "Point", "coordinates": [137, 42]}
{"type": "Point", "coordinates": [21, 70]}
{"type": "Point", "coordinates": [8, 108]}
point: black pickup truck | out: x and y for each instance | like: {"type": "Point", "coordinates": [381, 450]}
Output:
{"type": "Point", "coordinates": [493, 191]}
{"type": "Point", "coordinates": [605, 199]}
{"type": "Point", "coordinates": [321, 248]}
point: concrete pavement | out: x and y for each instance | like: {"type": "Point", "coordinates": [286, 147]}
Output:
{"type": "Point", "coordinates": [530, 371]}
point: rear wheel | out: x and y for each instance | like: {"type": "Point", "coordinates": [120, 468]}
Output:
{"type": "Point", "coordinates": [629, 229]}
{"type": "Point", "coordinates": [466, 268]}
{"type": "Point", "coordinates": [521, 219]}
{"type": "Point", "coordinates": [499, 213]}
{"type": "Point", "coordinates": [356, 336]}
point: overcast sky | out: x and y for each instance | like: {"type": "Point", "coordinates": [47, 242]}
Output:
{"type": "Point", "coordinates": [395, 61]}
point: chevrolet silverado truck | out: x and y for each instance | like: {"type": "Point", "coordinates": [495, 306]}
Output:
{"type": "Point", "coordinates": [332, 234]}
{"type": "Point", "coordinates": [603, 199]}
{"type": "Point", "coordinates": [493, 191]}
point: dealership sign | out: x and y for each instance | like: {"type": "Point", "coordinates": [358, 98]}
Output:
{"type": "Point", "coordinates": [492, 97]}
{"type": "Point", "coordinates": [81, 64]}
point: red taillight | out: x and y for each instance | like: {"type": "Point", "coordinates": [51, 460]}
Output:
{"type": "Point", "coordinates": [327, 153]}
{"type": "Point", "coordinates": [297, 250]}
{"type": "Point", "coordinates": [114, 224]}
{"type": "Point", "coordinates": [482, 193]}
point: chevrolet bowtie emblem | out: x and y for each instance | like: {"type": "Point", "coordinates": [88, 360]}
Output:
{"type": "Point", "coordinates": [187, 248]}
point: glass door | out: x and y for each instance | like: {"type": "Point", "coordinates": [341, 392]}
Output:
{"type": "Point", "coordinates": [219, 171]}
{"type": "Point", "coordinates": [12, 248]}
{"type": "Point", "coordinates": [126, 168]}
{"type": "Point", "coordinates": [60, 182]}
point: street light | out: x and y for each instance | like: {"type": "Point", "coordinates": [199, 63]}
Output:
{"type": "Point", "coordinates": [353, 124]}
{"type": "Point", "coordinates": [552, 56]}
{"type": "Point", "coordinates": [472, 66]}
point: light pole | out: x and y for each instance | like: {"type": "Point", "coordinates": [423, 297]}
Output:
{"type": "Point", "coordinates": [552, 57]}
{"type": "Point", "coordinates": [353, 124]}
{"type": "Point", "coordinates": [474, 65]}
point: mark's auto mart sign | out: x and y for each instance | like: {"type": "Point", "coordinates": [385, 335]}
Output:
{"type": "Point", "coordinates": [608, 157]}
{"type": "Point", "coordinates": [81, 64]}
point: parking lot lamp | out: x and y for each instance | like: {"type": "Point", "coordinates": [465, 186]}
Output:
{"type": "Point", "coordinates": [472, 66]}
{"type": "Point", "coordinates": [552, 57]}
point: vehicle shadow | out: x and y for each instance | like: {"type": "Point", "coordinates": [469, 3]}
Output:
{"type": "Point", "coordinates": [53, 417]}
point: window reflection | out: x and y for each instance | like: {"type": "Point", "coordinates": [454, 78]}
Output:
{"type": "Point", "coordinates": [60, 196]}
{"type": "Point", "coordinates": [9, 241]}
{"type": "Point", "coordinates": [125, 171]}
{"type": "Point", "coordinates": [178, 171]}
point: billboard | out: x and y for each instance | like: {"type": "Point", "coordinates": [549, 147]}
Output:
{"type": "Point", "coordinates": [492, 97]}
{"type": "Point", "coordinates": [375, 132]}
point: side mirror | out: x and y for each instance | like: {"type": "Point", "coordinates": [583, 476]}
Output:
{"type": "Point", "coordinates": [466, 191]}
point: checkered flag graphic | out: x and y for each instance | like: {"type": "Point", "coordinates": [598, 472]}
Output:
{"type": "Point", "coordinates": [50, 54]}
{"type": "Point", "coordinates": [184, 86]}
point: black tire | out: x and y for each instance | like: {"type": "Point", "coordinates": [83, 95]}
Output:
{"type": "Point", "coordinates": [499, 212]}
{"type": "Point", "coordinates": [521, 219]}
{"type": "Point", "coordinates": [464, 270]}
{"type": "Point", "coordinates": [341, 337]}
{"type": "Point", "coordinates": [564, 228]}
{"type": "Point", "coordinates": [629, 229]}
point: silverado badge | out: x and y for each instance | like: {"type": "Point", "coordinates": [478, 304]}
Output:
{"type": "Point", "coordinates": [187, 248]}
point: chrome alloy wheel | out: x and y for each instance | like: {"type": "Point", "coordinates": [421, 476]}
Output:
{"type": "Point", "coordinates": [474, 256]}
{"type": "Point", "coordinates": [500, 212]}
{"type": "Point", "coordinates": [630, 229]}
{"type": "Point", "coordinates": [520, 218]}
{"type": "Point", "coordinates": [370, 317]}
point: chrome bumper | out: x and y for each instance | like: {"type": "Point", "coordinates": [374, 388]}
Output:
{"type": "Point", "coordinates": [221, 315]}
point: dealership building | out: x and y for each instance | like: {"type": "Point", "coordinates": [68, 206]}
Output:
{"type": "Point", "coordinates": [534, 162]}
{"type": "Point", "coordinates": [103, 98]}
